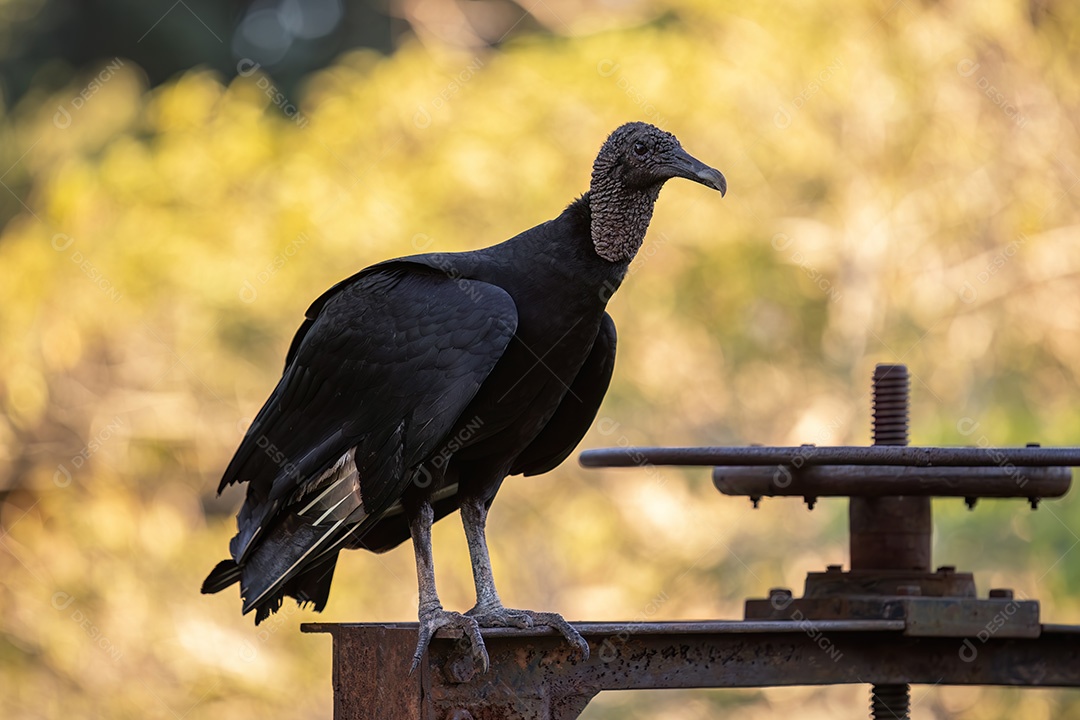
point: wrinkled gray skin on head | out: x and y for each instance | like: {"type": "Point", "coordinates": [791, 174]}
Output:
{"type": "Point", "coordinates": [633, 164]}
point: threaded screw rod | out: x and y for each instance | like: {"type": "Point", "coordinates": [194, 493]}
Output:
{"type": "Point", "coordinates": [898, 528]}
{"type": "Point", "coordinates": [890, 702]}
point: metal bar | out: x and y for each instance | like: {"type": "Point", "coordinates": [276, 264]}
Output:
{"type": "Point", "coordinates": [373, 672]}
{"type": "Point", "coordinates": [887, 480]}
{"type": "Point", "coordinates": [698, 627]}
{"type": "Point", "coordinates": [806, 455]}
{"type": "Point", "coordinates": [532, 677]}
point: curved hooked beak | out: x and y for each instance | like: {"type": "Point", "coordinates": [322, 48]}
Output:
{"type": "Point", "coordinates": [687, 166]}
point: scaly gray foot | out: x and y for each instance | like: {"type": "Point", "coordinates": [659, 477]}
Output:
{"type": "Point", "coordinates": [432, 620]}
{"type": "Point", "coordinates": [507, 617]}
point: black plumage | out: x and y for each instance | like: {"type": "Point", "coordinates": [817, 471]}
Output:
{"type": "Point", "coordinates": [416, 386]}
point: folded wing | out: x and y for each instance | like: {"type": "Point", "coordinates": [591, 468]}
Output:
{"type": "Point", "coordinates": [376, 378]}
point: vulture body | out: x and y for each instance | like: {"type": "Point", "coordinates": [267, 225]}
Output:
{"type": "Point", "coordinates": [416, 386]}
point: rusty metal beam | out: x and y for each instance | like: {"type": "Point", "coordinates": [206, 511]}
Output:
{"type": "Point", "coordinates": [532, 677]}
{"type": "Point", "coordinates": [806, 455]}
{"type": "Point", "coordinates": [888, 480]}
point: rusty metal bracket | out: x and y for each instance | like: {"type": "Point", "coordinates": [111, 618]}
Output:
{"type": "Point", "coordinates": [890, 486]}
{"type": "Point", "coordinates": [814, 455]}
{"type": "Point", "coordinates": [532, 677]}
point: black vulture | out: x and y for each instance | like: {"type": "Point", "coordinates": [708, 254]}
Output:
{"type": "Point", "coordinates": [414, 387]}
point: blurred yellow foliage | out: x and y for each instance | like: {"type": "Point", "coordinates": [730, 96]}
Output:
{"type": "Point", "coordinates": [904, 187]}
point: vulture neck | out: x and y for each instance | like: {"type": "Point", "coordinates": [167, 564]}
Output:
{"type": "Point", "coordinates": [620, 218]}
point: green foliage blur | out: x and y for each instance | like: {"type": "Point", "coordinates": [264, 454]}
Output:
{"type": "Point", "coordinates": [904, 188]}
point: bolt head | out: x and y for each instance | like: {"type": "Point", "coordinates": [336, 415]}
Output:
{"type": "Point", "coordinates": [460, 669]}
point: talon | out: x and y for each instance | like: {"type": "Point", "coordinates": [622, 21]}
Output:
{"type": "Point", "coordinates": [505, 617]}
{"type": "Point", "coordinates": [582, 653]}
{"type": "Point", "coordinates": [479, 649]}
{"type": "Point", "coordinates": [432, 621]}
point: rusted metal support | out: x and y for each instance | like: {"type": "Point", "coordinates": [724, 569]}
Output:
{"type": "Point", "coordinates": [811, 455]}
{"type": "Point", "coordinates": [532, 678]}
{"type": "Point", "coordinates": [890, 532]}
{"type": "Point", "coordinates": [888, 622]}
{"type": "Point", "coordinates": [890, 486]}
{"type": "Point", "coordinates": [886, 480]}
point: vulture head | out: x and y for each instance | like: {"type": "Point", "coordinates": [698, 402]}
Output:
{"type": "Point", "coordinates": [633, 164]}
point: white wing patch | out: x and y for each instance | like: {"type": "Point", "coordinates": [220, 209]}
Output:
{"type": "Point", "coordinates": [337, 497]}
{"type": "Point", "coordinates": [337, 494]}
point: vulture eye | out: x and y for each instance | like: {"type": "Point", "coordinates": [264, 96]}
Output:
{"type": "Point", "coordinates": [640, 149]}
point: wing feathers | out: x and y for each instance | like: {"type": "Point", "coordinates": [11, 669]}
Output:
{"type": "Point", "coordinates": [576, 411]}
{"type": "Point", "coordinates": [377, 377]}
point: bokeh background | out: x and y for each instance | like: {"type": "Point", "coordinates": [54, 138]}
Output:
{"type": "Point", "coordinates": [181, 180]}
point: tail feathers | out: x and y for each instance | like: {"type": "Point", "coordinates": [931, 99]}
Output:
{"type": "Point", "coordinates": [309, 587]}
{"type": "Point", "coordinates": [267, 607]}
{"type": "Point", "coordinates": [313, 586]}
{"type": "Point", "coordinates": [287, 562]}
{"type": "Point", "coordinates": [224, 574]}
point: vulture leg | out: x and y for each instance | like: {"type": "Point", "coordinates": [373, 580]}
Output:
{"type": "Point", "coordinates": [489, 610]}
{"type": "Point", "coordinates": [432, 615]}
